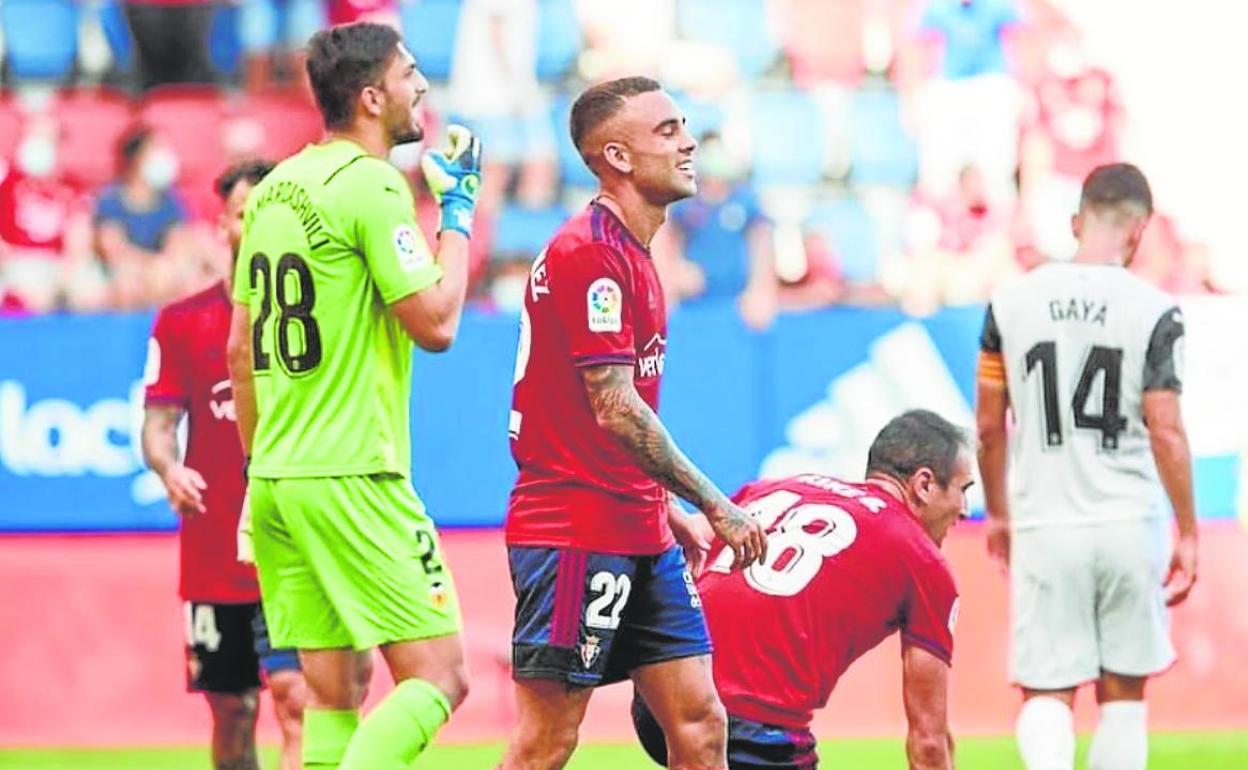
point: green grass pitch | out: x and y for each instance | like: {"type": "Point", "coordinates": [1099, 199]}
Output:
{"type": "Point", "coordinates": [1169, 751]}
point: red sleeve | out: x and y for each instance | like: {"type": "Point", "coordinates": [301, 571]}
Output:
{"type": "Point", "coordinates": [592, 295]}
{"type": "Point", "coordinates": [163, 375]}
{"type": "Point", "coordinates": [932, 610]}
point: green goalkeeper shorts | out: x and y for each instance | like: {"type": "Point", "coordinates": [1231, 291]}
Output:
{"type": "Point", "coordinates": [350, 561]}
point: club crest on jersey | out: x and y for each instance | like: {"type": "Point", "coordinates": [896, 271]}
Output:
{"type": "Point", "coordinates": [590, 650]}
{"type": "Point", "coordinates": [606, 306]}
{"type": "Point", "coordinates": [407, 247]}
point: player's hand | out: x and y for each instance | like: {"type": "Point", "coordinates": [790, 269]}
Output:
{"type": "Point", "coordinates": [743, 534]}
{"type": "Point", "coordinates": [999, 543]}
{"type": "Point", "coordinates": [695, 536]}
{"type": "Point", "coordinates": [246, 550]}
{"type": "Point", "coordinates": [1182, 573]}
{"type": "Point", "coordinates": [185, 488]}
{"type": "Point", "coordinates": [454, 177]}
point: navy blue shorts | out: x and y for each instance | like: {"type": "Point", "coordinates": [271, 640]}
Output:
{"type": "Point", "coordinates": [271, 660]}
{"type": "Point", "coordinates": [588, 619]}
{"type": "Point", "coordinates": [751, 745]}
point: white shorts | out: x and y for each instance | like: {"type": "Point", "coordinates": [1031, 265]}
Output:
{"type": "Point", "coordinates": [1086, 599]}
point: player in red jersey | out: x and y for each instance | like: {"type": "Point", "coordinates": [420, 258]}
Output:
{"type": "Point", "coordinates": [602, 590]}
{"type": "Point", "coordinates": [847, 565]}
{"type": "Point", "coordinates": [227, 644]}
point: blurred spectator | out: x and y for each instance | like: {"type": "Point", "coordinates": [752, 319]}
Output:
{"type": "Point", "coordinates": [139, 220]}
{"type": "Point", "coordinates": [958, 247]}
{"type": "Point", "coordinates": [1076, 126]}
{"type": "Point", "coordinates": [494, 91]}
{"type": "Point", "coordinates": [272, 34]}
{"type": "Point", "coordinates": [969, 114]}
{"type": "Point", "coordinates": [808, 273]}
{"type": "Point", "coordinates": [635, 38]}
{"type": "Point", "coordinates": [720, 241]}
{"type": "Point", "coordinates": [171, 40]}
{"type": "Point", "coordinates": [44, 227]}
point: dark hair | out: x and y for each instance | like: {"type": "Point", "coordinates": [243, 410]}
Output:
{"type": "Point", "coordinates": [1115, 185]}
{"type": "Point", "coordinates": [129, 144]}
{"type": "Point", "coordinates": [599, 103]}
{"type": "Point", "coordinates": [344, 59]}
{"type": "Point", "coordinates": [913, 440]}
{"type": "Point", "coordinates": [250, 171]}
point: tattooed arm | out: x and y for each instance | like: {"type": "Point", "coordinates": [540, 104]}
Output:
{"type": "Point", "coordinates": [622, 412]}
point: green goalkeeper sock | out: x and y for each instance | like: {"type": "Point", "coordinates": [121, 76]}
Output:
{"type": "Point", "coordinates": [326, 735]}
{"type": "Point", "coordinates": [398, 729]}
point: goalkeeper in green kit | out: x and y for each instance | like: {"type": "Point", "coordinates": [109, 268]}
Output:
{"type": "Point", "coordinates": [334, 281]}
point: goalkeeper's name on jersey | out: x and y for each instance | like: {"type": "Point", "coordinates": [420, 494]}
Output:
{"type": "Point", "coordinates": [295, 198]}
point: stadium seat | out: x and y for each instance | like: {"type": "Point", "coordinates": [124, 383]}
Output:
{"type": "Point", "coordinates": [572, 169]}
{"type": "Point", "coordinates": [558, 39]}
{"type": "Point", "coordinates": [40, 38]}
{"type": "Point", "coordinates": [523, 232]}
{"type": "Point", "coordinates": [92, 120]}
{"type": "Point", "coordinates": [700, 116]}
{"type": "Point", "coordinates": [786, 130]}
{"type": "Point", "coordinates": [284, 122]}
{"type": "Point", "coordinates": [881, 150]}
{"type": "Point", "coordinates": [225, 46]}
{"type": "Point", "coordinates": [741, 26]}
{"type": "Point", "coordinates": [848, 226]}
{"type": "Point", "coordinates": [434, 51]}
{"type": "Point", "coordinates": [191, 119]}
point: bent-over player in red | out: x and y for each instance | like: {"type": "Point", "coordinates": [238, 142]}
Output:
{"type": "Point", "coordinates": [227, 642]}
{"type": "Point", "coordinates": [847, 565]}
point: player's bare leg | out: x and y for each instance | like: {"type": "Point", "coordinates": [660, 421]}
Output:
{"type": "Point", "coordinates": [337, 683]}
{"type": "Point", "coordinates": [681, 695]}
{"type": "Point", "coordinates": [289, 693]}
{"type": "Point", "coordinates": [1045, 729]}
{"type": "Point", "coordinates": [1121, 738]}
{"type": "Point", "coordinates": [431, 680]}
{"type": "Point", "coordinates": [548, 719]}
{"type": "Point", "coordinates": [233, 730]}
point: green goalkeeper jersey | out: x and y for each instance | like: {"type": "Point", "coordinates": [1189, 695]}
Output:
{"type": "Point", "coordinates": [330, 240]}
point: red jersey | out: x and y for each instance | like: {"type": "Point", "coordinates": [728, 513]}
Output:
{"type": "Point", "coordinates": [847, 565]}
{"type": "Point", "coordinates": [186, 367]}
{"type": "Point", "coordinates": [593, 298]}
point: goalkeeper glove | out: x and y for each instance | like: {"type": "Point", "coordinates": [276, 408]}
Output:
{"type": "Point", "coordinates": [246, 551]}
{"type": "Point", "coordinates": [454, 178]}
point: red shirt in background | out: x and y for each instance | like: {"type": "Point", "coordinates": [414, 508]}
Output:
{"type": "Point", "coordinates": [35, 211]}
{"type": "Point", "coordinates": [593, 298]}
{"type": "Point", "coordinates": [1079, 116]}
{"type": "Point", "coordinates": [847, 565]}
{"type": "Point", "coordinates": [186, 367]}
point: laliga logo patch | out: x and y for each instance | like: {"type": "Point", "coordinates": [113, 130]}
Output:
{"type": "Point", "coordinates": [407, 248]}
{"type": "Point", "coordinates": [606, 306]}
{"type": "Point", "coordinates": [953, 615]}
{"type": "Point", "coordinates": [590, 650]}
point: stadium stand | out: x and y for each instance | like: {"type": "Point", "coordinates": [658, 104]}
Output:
{"type": "Point", "coordinates": [829, 103]}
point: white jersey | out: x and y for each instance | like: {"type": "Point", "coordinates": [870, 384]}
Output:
{"type": "Point", "coordinates": [1081, 343]}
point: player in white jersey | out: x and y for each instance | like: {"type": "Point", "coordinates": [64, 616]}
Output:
{"type": "Point", "coordinates": [1086, 356]}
